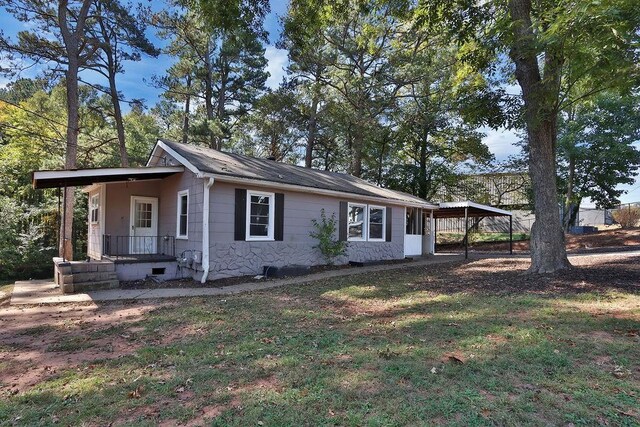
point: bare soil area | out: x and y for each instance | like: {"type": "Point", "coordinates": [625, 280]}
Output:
{"type": "Point", "coordinates": [609, 239]}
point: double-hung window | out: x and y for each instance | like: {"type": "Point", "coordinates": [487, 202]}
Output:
{"type": "Point", "coordinates": [377, 223]}
{"type": "Point", "coordinates": [260, 215]}
{"type": "Point", "coordinates": [357, 217]}
{"type": "Point", "coordinates": [94, 209]}
{"type": "Point", "coordinates": [182, 220]}
{"type": "Point", "coordinates": [366, 222]}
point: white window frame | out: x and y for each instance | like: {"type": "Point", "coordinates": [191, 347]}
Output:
{"type": "Point", "coordinates": [365, 220]}
{"type": "Point", "coordinates": [384, 223]}
{"type": "Point", "coordinates": [181, 194]}
{"type": "Point", "coordinates": [94, 207]}
{"type": "Point", "coordinates": [272, 211]}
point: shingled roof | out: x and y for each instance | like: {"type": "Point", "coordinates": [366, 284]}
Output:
{"type": "Point", "coordinates": [222, 164]}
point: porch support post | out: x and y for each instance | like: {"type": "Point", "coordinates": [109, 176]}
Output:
{"type": "Point", "coordinates": [63, 233]}
{"type": "Point", "coordinates": [208, 183]}
{"type": "Point", "coordinates": [432, 239]}
{"type": "Point", "coordinates": [511, 234]}
{"type": "Point", "coordinates": [466, 233]}
{"type": "Point", "coordinates": [435, 233]}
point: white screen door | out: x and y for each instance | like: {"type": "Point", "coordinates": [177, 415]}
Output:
{"type": "Point", "coordinates": [144, 225]}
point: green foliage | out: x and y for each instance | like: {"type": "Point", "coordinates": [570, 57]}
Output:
{"type": "Point", "coordinates": [324, 232]}
{"type": "Point", "coordinates": [23, 250]}
{"type": "Point", "coordinates": [596, 149]}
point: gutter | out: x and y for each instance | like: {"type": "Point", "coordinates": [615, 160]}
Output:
{"type": "Point", "coordinates": [208, 183]}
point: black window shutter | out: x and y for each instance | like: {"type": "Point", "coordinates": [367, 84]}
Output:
{"type": "Point", "coordinates": [388, 225]}
{"type": "Point", "coordinates": [278, 226]}
{"type": "Point", "coordinates": [240, 229]}
{"type": "Point", "coordinates": [342, 222]}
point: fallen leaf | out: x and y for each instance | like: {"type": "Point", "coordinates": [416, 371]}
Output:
{"type": "Point", "coordinates": [137, 393]}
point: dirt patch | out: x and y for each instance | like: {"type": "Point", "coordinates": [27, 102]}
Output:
{"type": "Point", "coordinates": [578, 243]}
{"type": "Point", "coordinates": [508, 275]}
{"type": "Point", "coordinates": [52, 338]}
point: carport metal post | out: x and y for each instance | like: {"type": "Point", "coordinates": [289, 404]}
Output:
{"type": "Point", "coordinates": [466, 233]}
{"type": "Point", "coordinates": [435, 234]}
{"type": "Point", "coordinates": [511, 234]}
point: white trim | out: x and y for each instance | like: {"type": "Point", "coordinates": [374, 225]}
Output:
{"type": "Point", "coordinates": [365, 221]}
{"type": "Point", "coordinates": [310, 190]}
{"type": "Point", "coordinates": [182, 193]}
{"type": "Point", "coordinates": [178, 157]}
{"type": "Point", "coordinates": [272, 210]}
{"type": "Point", "coordinates": [384, 223]}
{"type": "Point", "coordinates": [97, 208]}
{"type": "Point", "coordinates": [470, 204]}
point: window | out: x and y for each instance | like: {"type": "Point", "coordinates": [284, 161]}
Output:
{"type": "Point", "coordinates": [182, 221]}
{"type": "Point", "coordinates": [377, 223]}
{"type": "Point", "coordinates": [260, 215]}
{"type": "Point", "coordinates": [94, 208]}
{"type": "Point", "coordinates": [357, 217]}
{"type": "Point", "coordinates": [413, 221]}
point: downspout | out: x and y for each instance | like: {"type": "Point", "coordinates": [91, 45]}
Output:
{"type": "Point", "coordinates": [208, 183]}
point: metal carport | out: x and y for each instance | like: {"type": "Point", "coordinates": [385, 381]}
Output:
{"type": "Point", "coordinates": [468, 209]}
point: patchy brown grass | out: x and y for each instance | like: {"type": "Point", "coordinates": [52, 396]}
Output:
{"type": "Point", "coordinates": [475, 343]}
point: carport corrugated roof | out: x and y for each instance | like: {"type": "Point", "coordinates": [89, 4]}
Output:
{"type": "Point", "coordinates": [473, 210]}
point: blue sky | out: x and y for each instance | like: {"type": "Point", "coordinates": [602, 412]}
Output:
{"type": "Point", "coordinates": [134, 83]}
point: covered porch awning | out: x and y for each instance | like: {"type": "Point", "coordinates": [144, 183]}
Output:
{"type": "Point", "coordinates": [468, 209]}
{"type": "Point", "coordinates": [82, 177]}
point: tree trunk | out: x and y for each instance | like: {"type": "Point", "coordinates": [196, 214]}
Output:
{"type": "Point", "coordinates": [117, 114]}
{"type": "Point", "coordinates": [187, 111]}
{"type": "Point", "coordinates": [311, 137]}
{"type": "Point", "coordinates": [568, 198]}
{"type": "Point", "coordinates": [548, 252]}
{"type": "Point", "coordinates": [222, 100]}
{"type": "Point", "coordinates": [71, 156]}
{"type": "Point", "coordinates": [72, 44]}
{"type": "Point", "coordinates": [208, 95]}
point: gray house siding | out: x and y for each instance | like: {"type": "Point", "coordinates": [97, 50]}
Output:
{"type": "Point", "coordinates": [169, 189]}
{"type": "Point", "coordinates": [234, 258]}
{"type": "Point", "coordinates": [118, 202]}
{"type": "Point", "coordinates": [118, 209]}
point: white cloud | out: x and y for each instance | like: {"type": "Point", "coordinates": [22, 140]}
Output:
{"type": "Point", "coordinates": [278, 61]}
{"type": "Point", "coordinates": [501, 142]}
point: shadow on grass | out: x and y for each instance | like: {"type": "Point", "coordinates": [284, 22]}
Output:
{"type": "Point", "coordinates": [363, 351]}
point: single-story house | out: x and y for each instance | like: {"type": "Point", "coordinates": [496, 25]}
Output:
{"type": "Point", "coordinates": [207, 214]}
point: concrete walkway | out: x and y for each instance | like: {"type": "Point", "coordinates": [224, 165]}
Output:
{"type": "Point", "coordinates": [32, 292]}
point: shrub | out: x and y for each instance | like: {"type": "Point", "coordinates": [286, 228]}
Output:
{"type": "Point", "coordinates": [627, 217]}
{"type": "Point", "coordinates": [324, 232]}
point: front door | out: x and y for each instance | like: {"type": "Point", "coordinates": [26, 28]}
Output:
{"type": "Point", "coordinates": [144, 225]}
{"type": "Point", "coordinates": [413, 232]}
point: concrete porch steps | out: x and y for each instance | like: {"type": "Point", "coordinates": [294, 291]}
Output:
{"type": "Point", "coordinates": [83, 276]}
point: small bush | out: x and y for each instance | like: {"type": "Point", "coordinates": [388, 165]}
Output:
{"type": "Point", "coordinates": [627, 217]}
{"type": "Point", "coordinates": [324, 232]}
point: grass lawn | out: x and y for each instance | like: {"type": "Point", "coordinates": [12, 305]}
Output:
{"type": "Point", "coordinates": [473, 343]}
